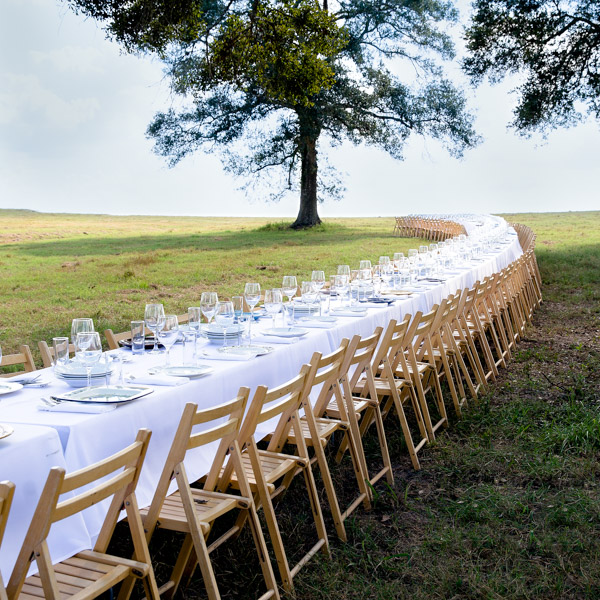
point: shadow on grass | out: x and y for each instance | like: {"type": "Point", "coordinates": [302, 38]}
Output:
{"type": "Point", "coordinates": [221, 240]}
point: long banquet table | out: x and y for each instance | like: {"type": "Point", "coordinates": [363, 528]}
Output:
{"type": "Point", "coordinates": [86, 438]}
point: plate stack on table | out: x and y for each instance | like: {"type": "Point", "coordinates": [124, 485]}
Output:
{"type": "Point", "coordinates": [75, 374]}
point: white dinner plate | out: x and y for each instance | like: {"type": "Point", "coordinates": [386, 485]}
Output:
{"type": "Point", "coordinates": [75, 369]}
{"type": "Point", "coordinates": [5, 431]}
{"type": "Point", "coordinates": [285, 332]}
{"type": "Point", "coordinates": [115, 394]}
{"type": "Point", "coordinates": [256, 350]}
{"type": "Point", "coordinates": [185, 371]}
{"type": "Point", "coordinates": [8, 387]}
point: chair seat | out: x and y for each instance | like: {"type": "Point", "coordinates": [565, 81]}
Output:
{"type": "Point", "coordinates": [209, 506]}
{"type": "Point", "coordinates": [80, 571]}
{"type": "Point", "coordinates": [360, 404]}
{"type": "Point", "coordinates": [381, 385]}
{"type": "Point", "coordinates": [274, 466]}
{"type": "Point", "coordinates": [325, 428]}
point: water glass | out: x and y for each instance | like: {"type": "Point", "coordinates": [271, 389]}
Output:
{"type": "Point", "coordinates": [60, 346]}
{"type": "Point", "coordinates": [138, 337]}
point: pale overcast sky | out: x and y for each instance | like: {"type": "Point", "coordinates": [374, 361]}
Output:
{"type": "Point", "coordinates": [73, 112]}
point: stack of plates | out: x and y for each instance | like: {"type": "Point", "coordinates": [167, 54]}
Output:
{"type": "Point", "coordinates": [75, 374]}
{"type": "Point", "coordinates": [215, 333]}
{"type": "Point", "coordinates": [299, 308]}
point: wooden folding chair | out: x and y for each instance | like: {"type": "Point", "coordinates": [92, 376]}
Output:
{"type": "Point", "coordinates": [193, 510]}
{"type": "Point", "coordinates": [23, 357]}
{"type": "Point", "coordinates": [47, 353]}
{"type": "Point", "coordinates": [318, 429]}
{"type": "Point", "coordinates": [91, 572]}
{"type": "Point", "coordinates": [7, 490]}
{"type": "Point", "coordinates": [386, 391]}
{"type": "Point", "coordinates": [270, 470]}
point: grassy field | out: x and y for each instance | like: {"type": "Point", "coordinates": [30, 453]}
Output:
{"type": "Point", "coordinates": [507, 504]}
{"type": "Point", "coordinates": [57, 267]}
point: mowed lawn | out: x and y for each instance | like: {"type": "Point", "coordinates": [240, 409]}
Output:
{"type": "Point", "coordinates": [507, 504]}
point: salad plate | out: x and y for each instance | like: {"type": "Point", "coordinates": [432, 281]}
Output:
{"type": "Point", "coordinates": [5, 431]}
{"type": "Point", "coordinates": [115, 394]}
{"type": "Point", "coordinates": [256, 350]}
{"type": "Point", "coordinates": [8, 387]}
{"type": "Point", "coordinates": [285, 332]}
{"type": "Point", "coordinates": [185, 371]}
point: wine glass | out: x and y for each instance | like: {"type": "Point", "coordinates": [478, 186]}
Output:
{"type": "Point", "coordinates": [365, 264]}
{"type": "Point", "coordinates": [81, 325]}
{"type": "Point", "coordinates": [344, 270]}
{"type": "Point", "coordinates": [318, 278]}
{"type": "Point", "coordinates": [290, 288]}
{"type": "Point", "coordinates": [252, 296]}
{"type": "Point", "coordinates": [238, 311]}
{"type": "Point", "coordinates": [224, 317]}
{"type": "Point", "coordinates": [169, 334]}
{"type": "Point", "coordinates": [309, 294]}
{"type": "Point", "coordinates": [273, 302]}
{"type": "Point", "coordinates": [88, 350]}
{"type": "Point", "coordinates": [195, 321]}
{"type": "Point", "coordinates": [342, 286]}
{"type": "Point", "coordinates": [154, 317]}
{"type": "Point", "coordinates": [208, 304]}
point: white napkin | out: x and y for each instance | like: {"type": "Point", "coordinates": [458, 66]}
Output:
{"type": "Point", "coordinates": [274, 339]}
{"type": "Point", "coordinates": [221, 356]}
{"type": "Point", "coordinates": [316, 324]}
{"type": "Point", "coordinates": [166, 380]}
{"type": "Point", "coordinates": [77, 407]}
{"type": "Point", "coordinates": [349, 313]}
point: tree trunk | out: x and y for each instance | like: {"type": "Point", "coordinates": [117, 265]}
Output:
{"type": "Point", "coordinates": [308, 215]}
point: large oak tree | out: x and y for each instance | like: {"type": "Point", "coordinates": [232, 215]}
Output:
{"type": "Point", "coordinates": [554, 44]}
{"type": "Point", "coordinates": [266, 82]}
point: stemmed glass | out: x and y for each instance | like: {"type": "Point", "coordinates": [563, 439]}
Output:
{"type": "Point", "coordinates": [169, 334]}
{"type": "Point", "coordinates": [342, 286]}
{"type": "Point", "coordinates": [154, 317]}
{"type": "Point", "coordinates": [194, 321]}
{"type": "Point", "coordinates": [273, 303]}
{"type": "Point", "coordinates": [81, 326]}
{"type": "Point", "coordinates": [289, 288]}
{"type": "Point", "coordinates": [224, 317]}
{"type": "Point", "coordinates": [365, 264]}
{"type": "Point", "coordinates": [252, 296]}
{"type": "Point", "coordinates": [309, 293]}
{"type": "Point", "coordinates": [318, 279]}
{"type": "Point", "coordinates": [208, 304]}
{"type": "Point", "coordinates": [88, 350]}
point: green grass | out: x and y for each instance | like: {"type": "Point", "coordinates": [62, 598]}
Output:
{"type": "Point", "coordinates": [64, 266]}
{"type": "Point", "coordinates": [507, 504]}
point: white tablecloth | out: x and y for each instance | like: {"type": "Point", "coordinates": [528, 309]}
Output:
{"type": "Point", "coordinates": [87, 438]}
{"type": "Point", "coordinates": [26, 457]}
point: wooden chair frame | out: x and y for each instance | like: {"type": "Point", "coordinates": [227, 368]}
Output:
{"type": "Point", "coordinates": [7, 490]}
{"type": "Point", "coordinates": [23, 357]}
{"type": "Point", "coordinates": [91, 572]}
{"type": "Point", "coordinates": [193, 511]}
{"type": "Point", "coordinates": [47, 353]}
{"type": "Point", "coordinates": [267, 469]}
{"type": "Point", "coordinates": [318, 429]}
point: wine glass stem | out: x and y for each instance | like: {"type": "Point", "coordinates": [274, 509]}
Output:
{"type": "Point", "coordinates": [168, 361]}
{"type": "Point", "coordinates": [88, 371]}
{"type": "Point", "coordinates": [155, 349]}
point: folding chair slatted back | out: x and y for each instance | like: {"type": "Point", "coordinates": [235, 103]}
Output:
{"type": "Point", "coordinates": [104, 571]}
{"type": "Point", "coordinates": [23, 357]}
{"type": "Point", "coordinates": [7, 490]}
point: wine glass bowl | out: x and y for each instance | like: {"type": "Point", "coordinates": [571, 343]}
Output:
{"type": "Point", "coordinates": [224, 317]}
{"type": "Point", "coordinates": [81, 326]}
{"type": "Point", "coordinates": [273, 302]}
{"type": "Point", "coordinates": [208, 304]}
{"type": "Point", "coordinates": [88, 350]}
{"type": "Point", "coordinates": [154, 317]}
{"type": "Point", "coordinates": [290, 288]}
{"type": "Point", "coordinates": [169, 334]}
